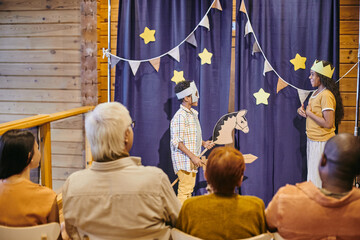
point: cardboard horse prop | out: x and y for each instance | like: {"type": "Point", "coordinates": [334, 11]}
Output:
{"type": "Point", "coordinates": [222, 133]}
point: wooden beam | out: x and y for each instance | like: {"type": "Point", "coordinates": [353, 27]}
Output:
{"type": "Point", "coordinates": [45, 147]}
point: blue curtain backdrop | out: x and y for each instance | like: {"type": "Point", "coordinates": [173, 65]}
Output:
{"type": "Point", "coordinates": [277, 135]}
{"type": "Point", "coordinates": [149, 95]}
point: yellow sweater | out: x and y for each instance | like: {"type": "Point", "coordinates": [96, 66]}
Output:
{"type": "Point", "coordinates": [222, 217]}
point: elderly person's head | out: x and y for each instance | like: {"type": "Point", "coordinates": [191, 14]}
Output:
{"type": "Point", "coordinates": [109, 131]}
{"type": "Point", "coordinates": [18, 152]}
{"type": "Point", "coordinates": [225, 170]}
{"type": "Point", "coordinates": [340, 162]}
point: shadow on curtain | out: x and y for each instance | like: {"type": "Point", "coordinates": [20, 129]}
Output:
{"type": "Point", "coordinates": [277, 135]}
{"type": "Point", "coordinates": [149, 95]}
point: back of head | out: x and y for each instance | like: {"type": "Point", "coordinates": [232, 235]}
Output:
{"type": "Point", "coordinates": [224, 169]}
{"type": "Point", "coordinates": [105, 129]}
{"type": "Point", "coordinates": [15, 147]}
{"type": "Point", "coordinates": [342, 153]}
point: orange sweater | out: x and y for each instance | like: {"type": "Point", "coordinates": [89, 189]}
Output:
{"type": "Point", "coordinates": [25, 203]}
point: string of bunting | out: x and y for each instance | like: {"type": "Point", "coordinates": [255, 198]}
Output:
{"type": "Point", "coordinates": [149, 36]}
{"type": "Point", "coordinates": [303, 94]}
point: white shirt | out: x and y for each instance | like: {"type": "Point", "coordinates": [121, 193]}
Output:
{"type": "Point", "coordinates": [119, 200]}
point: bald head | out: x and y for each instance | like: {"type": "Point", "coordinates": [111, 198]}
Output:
{"type": "Point", "coordinates": [342, 157]}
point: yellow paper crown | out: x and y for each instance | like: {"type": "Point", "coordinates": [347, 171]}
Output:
{"type": "Point", "coordinates": [318, 67]}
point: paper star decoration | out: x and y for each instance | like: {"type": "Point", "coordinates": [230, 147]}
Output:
{"type": "Point", "coordinates": [148, 35]}
{"type": "Point", "coordinates": [261, 97]}
{"type": "Point", "coordinates": [298, 62]}
{"type": "Point", "coordinates": [205, 57]}
{"type": "Point", "coordinates": [178, 77]}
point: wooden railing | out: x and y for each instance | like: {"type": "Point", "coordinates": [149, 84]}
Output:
{"type": "Point", "coordinates": [43, 122]}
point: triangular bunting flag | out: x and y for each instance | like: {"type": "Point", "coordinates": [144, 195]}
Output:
{"type": "Point", "coordinates": [255, 48]}
{"type": "Point", "coordinates": [242, 7]}
{"type": "Point", "coordinates": [155, 63]}
{"type": "Point", "coordinates": [175, 54]}
{"type": "Point", "coordinates": [249, 158]}
{"type": "Point", "coordinates": [267, 67]}
{"type": "Point", "coordinates": [192, 40]}
{"type": "Point", "coordinates": [113, 61]}
{"type": "Point", "coordinates": [248, 28]}
{"type": "Point", "coordinates": [303, 94]}
{"type": "Point", "coordinates": [217, 5]}
{"type": "Point", "coordinates": [205, 22]}
{"type": "Point", "coordinates": [134, 65]}
{"type": "Point", "coordinates": [280, 85]}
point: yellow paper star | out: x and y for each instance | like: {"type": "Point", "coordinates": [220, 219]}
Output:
{"type": "Point", "coordinates": [298, 62]}
{"type": "Point", "coordinates": [148, 35]}
{"type": "Point", "coordinates": [205, 57]}
{"type": "Point", "coordinates": [178, 77]}
{"type": "Point", "coordinates": [261, 97]}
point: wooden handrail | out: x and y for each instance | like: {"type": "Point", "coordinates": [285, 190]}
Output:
{"type": "Point", "coordinates": [43, 122]}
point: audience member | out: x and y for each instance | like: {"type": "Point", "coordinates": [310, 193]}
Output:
{"type": "Point", "coordinates": [117, 197]}
{"type": "Point", "coordinates": [22, 202]}
{"type": "Point", "coordinates": [304, 211]}
{"type": "Point", "coordinates": [223, 214]}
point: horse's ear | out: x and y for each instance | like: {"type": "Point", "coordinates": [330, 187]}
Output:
{"type": "Point", "coordinates": [242, 112]}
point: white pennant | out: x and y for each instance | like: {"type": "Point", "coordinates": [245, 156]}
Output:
{"type": "Point", "coordinates": [192, 40]}
{"type": "Point", "coordinates": [175, 54]}
{"type": "Point", "coordinates": [205, 22]}
{"type": "Point", "coordinates": [267, 67]}
{"type": "Point", "coordinates": [113, 61]}
{"type": "Point", "coordinates": [134, 65]}
{"type": "Point", "coordinates": [255, 48]}
{"type": "Point", "coordinates": [303, 94]}
{"type": "Point", "coordinates": [248, 28]}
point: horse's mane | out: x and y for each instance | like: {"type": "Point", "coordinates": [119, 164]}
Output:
{"type": "Point", "coordinates": [220, 123]}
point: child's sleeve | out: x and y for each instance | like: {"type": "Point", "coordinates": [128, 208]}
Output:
{"type": "Point", "coordinates": [328, 102]}
{"type": "Point", "coordinates": [177, 130]}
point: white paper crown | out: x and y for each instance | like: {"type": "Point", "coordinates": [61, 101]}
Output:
{"type": "Point", "coordinates": [318, 67]}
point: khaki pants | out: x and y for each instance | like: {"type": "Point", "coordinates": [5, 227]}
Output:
{"type": "Point", "coordinates": [186, 185]}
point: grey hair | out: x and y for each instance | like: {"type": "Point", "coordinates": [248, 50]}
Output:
{"type": "Point", "coordinates": [105, 129]}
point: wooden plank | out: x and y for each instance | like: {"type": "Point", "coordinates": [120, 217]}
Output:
{"type": "Point", "coordinates": [39, 4]}
{"type": "Point", "coordinates": [103, 82]}
{"type": "Point", "coordinates": [344, 68]}
{"type": "Point", "coordinates": [348, 85]}
{"type": "Point", "coordinates": [349, 99]}
{"type": "Point", "coordinates": [53, 16]}
{"type": "Point", "coordinates": [38, 82]}
{"type": "Point", "coordinates": [12, 117]}
{"type": "Point", "coordinates": [102, 43]}
{"type": "Point", "coordinates": [37, 56]}
{"type": "Point", "coordinates": [103, 96]}
{"type": "Point", "coordinates": [103, 31]}
{"type": "Point", "coordinates": [75, 122]}
{"type": "Point", "coordinates": [102, 14]}
{"type": "Point", "coordinates": [33, 43]}
{"type": "Point", "coordinates": [33, 95]}
{"type": "Point", "coordinates": [349, 113]}
{"type": "Point", "coordinates": [349, 2]}
{"type": "Point", "coordinates": [60, 173]}
{"type": "Point", "coordinates": [349, 41]}
{"type": "Point", "coordinates": [45, 148]}
{"type": "Point", "coordinates": [70, 161]}
{"type": "Point", "coordinates": [44, 69]}
{"type": "Point", "coordinates": [103, 70]}
{"type": "Point", "coordinates": [348, 56]}
{"type": "Point", "coordinates": [57, 185]}
{"type": "Point", "coordinates": [71, 148]}
{"type": "Point", "coordinates": [67, 135]}
{"type": "Point", "coordinates": [349, 13]}
{"type": "Point", "coordinates": [22, 30]}
{"type": "Point", "coordinates": [38, 108]}
{"type": "Point", "coordinates": [349, 27]}
{"type": "Point", "coordinates": [347, 127]}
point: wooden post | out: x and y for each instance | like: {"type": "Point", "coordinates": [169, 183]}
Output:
{"type": "Point", "coordinates": [45, 149]}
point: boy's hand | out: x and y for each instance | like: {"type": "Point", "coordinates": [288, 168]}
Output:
{"type": "Point", "coordinates": [301, 111]}
{"type": "Point", "coordinates": [208, 144]}
{"type": "Point", "coordinates": [196, 161]}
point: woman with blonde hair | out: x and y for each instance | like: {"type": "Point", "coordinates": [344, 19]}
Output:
{"type": "Point", "coordinates": [223, 214]}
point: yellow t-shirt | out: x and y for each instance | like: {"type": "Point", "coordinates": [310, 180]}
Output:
{"type": "Point", "coordinates": [320, 102]}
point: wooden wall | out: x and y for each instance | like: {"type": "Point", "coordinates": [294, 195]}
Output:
{"type": "Point", "coordinates": [349, 43]}
{"type": "Point", "coordinates": [349, 35]}
{"type": "Point", "coordinates": [40, 69]}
